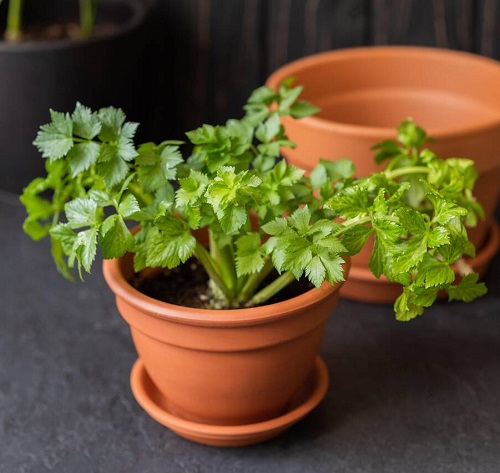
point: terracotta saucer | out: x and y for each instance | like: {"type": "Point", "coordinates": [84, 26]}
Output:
{"type": "Point", "coordinates": [362, 285]}
{"type": "Point", "coordinates": [154, 403]}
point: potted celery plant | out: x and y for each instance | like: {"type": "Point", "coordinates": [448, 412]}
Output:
{"type": "Point", "coordinates": [235, 361]}
{"type": "Point", "coordinates": [54, 53]}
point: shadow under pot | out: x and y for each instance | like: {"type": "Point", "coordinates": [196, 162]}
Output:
{"type": "Point", "coordinates": [364, 93]}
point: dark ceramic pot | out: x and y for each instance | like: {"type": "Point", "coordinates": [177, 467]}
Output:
{"type": "Point", "coordinates": [36, 76]}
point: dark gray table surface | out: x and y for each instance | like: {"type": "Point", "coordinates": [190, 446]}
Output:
{"type": "Point", "coordinates": [404, 397]}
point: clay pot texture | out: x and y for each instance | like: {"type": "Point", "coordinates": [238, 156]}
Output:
{"type": "Point", "coordinates": [364, 93]}
{"type": "Point", "coordinates": [224, 367]}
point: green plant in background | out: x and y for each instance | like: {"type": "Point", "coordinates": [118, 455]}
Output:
{"type": "Point", "coordinates": [13, 30]}
{"type": "Point", "coordinates": [260, 213]}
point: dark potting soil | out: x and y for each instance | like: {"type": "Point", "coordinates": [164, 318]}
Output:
{"type": "Point", "coordinates": [60, 31]}
{"type": "Point", "coordinates": [187, 285]}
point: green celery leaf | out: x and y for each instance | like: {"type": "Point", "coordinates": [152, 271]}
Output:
{"type": "Point", "coordinates": [350, 203]}
{"type": "Point", "coordinates": [301, 109]}
{"type": "Point", "coordinates": [82, 156]}
{"type": "Point", "coordinates": [191, 188]}
{"type": "Point", "coordinates": [171, 246]}
{"type": "Point", "coordinates": [129, 206]}
{"type": "Point", "coordinates": [85, 248]}
{"type": "Point", "coordinates": [63, 233]}
{"type": "Point", "coordinates": [300, 220]}
{"type": "Point", "coordinates": [276, 227]}
{"type": "Point", "coordinates": [81, 212]}
{"type": "Point", "coordinates": [410, 254]}
{"type": "Point", "coordinates": [232, 218]}
{"type": "Point", "coordinates": [355, 238]}
{"type": "Point", "coordinates": [58, 255]}
{"type": "Point", "coordinates": [55, 139]}
{"type": "Point", "coordinates": [468, 289]}
{"type": "Point", "coordinates": [315, 271]}
{"type": "Point", "coordinates": [412, 221]}
{"type": "Point", "coordinates": [112, 120]}
{"type": "Point", "coordinates": [263, 94]}
{"type": "Point", "coordinates": [113, 170]}
{"type": "Point", "coordinates": [85, 123]}
{"type": "Point", "coordinates": [115, 238]}
{"type": "Point", "coordinates": [249, 258]}
{"type": "Point", "coordinates": [406, 307]}
{"type": "Point", "coordinates": [435, 273]}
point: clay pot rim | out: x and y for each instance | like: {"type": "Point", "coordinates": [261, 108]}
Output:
{"type": "Point", "coordinates": [211, 317]}
{"type": "Point", "coordinates": [137, 17]}
{"type": "Point", "coordinates": [412, 52]}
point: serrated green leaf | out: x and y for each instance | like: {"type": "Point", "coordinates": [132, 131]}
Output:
{"type": "Point", "coordinates": [55, 139]}
{"type": "Point", "coordinates": [112, 120]}
{"type": "Point", "coordinates": [85, 123]}
{"type": "Point", "coordinates": [301, 109]}
{"type": "Point", "coordinates": [315, 271]}
{"type": "Point", "coordinates": [169, 249]}
{"type": "Point", "coordinates": [58, 256]}
{"type": "Point", "coordinates": [350, 203]}
{"type": "Point", "coordinates": [405, 308]}
{"type": "Point", "coordinates": [113, 170]}
{"type": "Point", "coordinates": [412, 221]}
{"type": "Point", "coordinates": [276, 226]}
{"type": "Point", "coordinates": [468, 289]}
{"type": "Point", "coordinates": [115, 238]}
{"type": "Point", "coordinates": [334, 268]}
{"type": "Point", "coordinates": [129, 206]}
{"type": "Point", "coordinates": [263, 95]}
{"type": "Point", "coordinates": [85, 248]}
{"type": "Point", "coordinates": [64, 235]}
{"type": "Point", "coordinates": [249, 258]}
{"type": "Point", "coordinates": [232, 218]}
{"type": "Point", "coordinates": [410, 253]}
{"type": "Point", "coordinates": [81, 212]}
{"type": "Point", "coordinates": [438, 236]}
{"type": "Point", "coordinates": [300, 220]}
{"type": "Point", "coordinates": [355, 238]}
{"type": "Point", "coordinates": [82, 156]}
{"type": "Point", "coordinates": [435, 274]}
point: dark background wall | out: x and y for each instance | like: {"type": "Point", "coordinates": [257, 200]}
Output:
{"type": "Point", "coordinates": [214, 52]}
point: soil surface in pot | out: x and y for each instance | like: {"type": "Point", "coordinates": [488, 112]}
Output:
{"type": "Point", "coordinates": [187, 285]}
{"type": "Point", "coordinates": [57, 31]}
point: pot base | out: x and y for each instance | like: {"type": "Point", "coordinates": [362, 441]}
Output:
{"type": "Point", "coordinates": [155, 404]}
{"type": "Point", "coordinates": [362, 285]}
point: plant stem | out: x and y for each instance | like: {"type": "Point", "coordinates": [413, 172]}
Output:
{"type": "Point", "coordinates": [13, 30]}
{"type": "Point", "coordinates": [224, 258]}
{"type": "Point", "coordinates": [270, 290]}
{"type": "Point", "coordinates": [87, 17]}
{"type": "Point", "coordinates": [207, 262]}
{"type": "Point", "coordinates": [406, 171]}
{"type": "Point", "coordinates": [141, 196]}
{"type": "Point", "coordinates": [254, 280]}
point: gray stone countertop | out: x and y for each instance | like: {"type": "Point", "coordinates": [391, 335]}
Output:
{"type": "Point", "coordinates": [404, 397]}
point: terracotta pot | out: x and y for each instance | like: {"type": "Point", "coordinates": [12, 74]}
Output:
{"type": "Point", "coordinates": [364, 93]}
{"type": "Point", "coordinates": [217, 371]}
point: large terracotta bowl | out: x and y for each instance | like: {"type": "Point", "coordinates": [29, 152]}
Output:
{"type": "Point", "coordinates": [364, 93]}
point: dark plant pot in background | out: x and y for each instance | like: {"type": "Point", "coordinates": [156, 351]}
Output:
{"type": "Point", "coordinates": [364, 93]}
{"type": "Point", "coordinates": [36, 76]}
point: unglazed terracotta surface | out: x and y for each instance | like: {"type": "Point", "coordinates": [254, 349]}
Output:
{"type": "Point", "coordinates": [157, 406]}
{"type": "Point", "coordinates": [364, 93]}
{"type": "Point", "coordinates": [230, 367]}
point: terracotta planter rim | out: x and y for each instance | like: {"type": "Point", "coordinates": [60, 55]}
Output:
{"type": "Point", "coordinates": [209, 317]}
{"type": "Point", "coordinates": [138, 13]}
{"type": "Point", "coordinates": [330, 57]}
